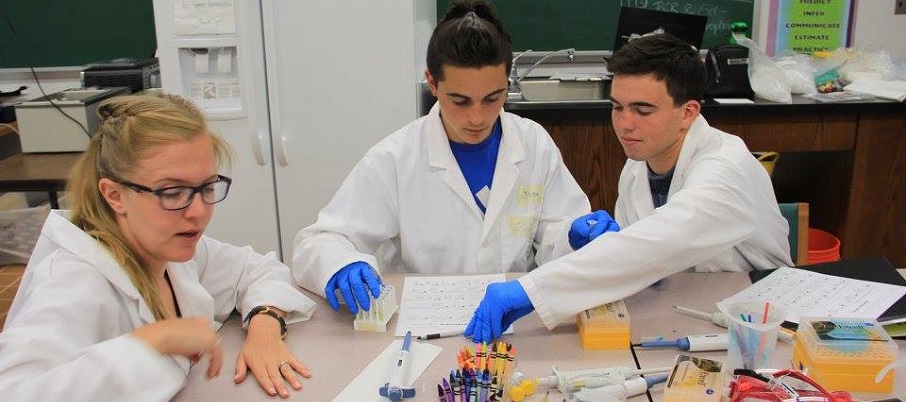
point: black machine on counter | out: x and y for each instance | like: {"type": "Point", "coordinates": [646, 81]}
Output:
{"type": "Point", "coordinates": [135, 74]}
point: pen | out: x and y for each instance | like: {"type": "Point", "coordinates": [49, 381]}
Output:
{"type": "Point", "coordinates": [440, 334]}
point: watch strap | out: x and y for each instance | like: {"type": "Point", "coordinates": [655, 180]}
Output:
{"type": "Point", "coordinates": [269, 311]}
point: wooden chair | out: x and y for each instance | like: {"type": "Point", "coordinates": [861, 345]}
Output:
{"type": "Point", "coordinates": [796, 214]}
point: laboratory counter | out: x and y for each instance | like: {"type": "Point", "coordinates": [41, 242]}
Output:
{"type": "Point", "coordinates": [336, 354]}
{"type": "Point", "coordinates": [847, 160]}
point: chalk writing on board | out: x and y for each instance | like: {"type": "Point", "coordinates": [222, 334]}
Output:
{"type": "Point", "coordinates": [719, 17]}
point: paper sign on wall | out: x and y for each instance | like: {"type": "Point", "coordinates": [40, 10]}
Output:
{"type": "Point", "coordinates": [808, 26]}
{"type": "Point", "coordinates": [204, 17]}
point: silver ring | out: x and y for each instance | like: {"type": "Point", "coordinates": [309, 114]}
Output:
{"type": "Point", "coordinates": [281, 364]}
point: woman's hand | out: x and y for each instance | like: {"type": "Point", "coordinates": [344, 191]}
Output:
{"type": "Point", "coordinates": [189, 337]}
{"type": "Point", "coordinates": [266, 355]}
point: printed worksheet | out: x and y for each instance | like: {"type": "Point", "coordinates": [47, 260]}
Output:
{"type": "Point", "coordinates": [805, 293]}
{"type": "Point", "coordinates": [441, 304]}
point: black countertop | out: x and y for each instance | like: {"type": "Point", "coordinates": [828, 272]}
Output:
{"type": "Point", "coordinates": [799, 104]}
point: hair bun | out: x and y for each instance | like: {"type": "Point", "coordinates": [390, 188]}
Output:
{"type": "Point", "coordinates": [482, 9]}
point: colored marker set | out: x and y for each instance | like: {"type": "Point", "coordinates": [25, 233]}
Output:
{"type": "Point", "coordinates": [482, 373]}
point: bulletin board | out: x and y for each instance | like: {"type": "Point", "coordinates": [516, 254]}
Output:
{"type": "Point", "coordinates": [54, 33]}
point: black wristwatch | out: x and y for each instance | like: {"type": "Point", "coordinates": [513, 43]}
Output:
{"type": "Point", "coordinates": [269, 311]}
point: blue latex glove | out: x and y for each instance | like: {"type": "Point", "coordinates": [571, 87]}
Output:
{"type": "Point", "coordinates": [354, 282]}
{"type": "Point", "coordinates": [503, 303]}
{"type": "Point", "coordinates": [587, 227]}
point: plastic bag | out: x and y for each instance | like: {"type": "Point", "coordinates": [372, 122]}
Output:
{"type": "Point", "coordinates": [767, 79]}
{"type": "Point", "coordinates": [799, 70]}
{"type": "Point", "coordinates": [869, 61]}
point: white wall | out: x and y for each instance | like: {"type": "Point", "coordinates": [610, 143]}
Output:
{"type": "Point", "coordinates": [875, 23]}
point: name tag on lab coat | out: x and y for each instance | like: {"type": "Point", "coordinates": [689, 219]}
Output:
{"type": "Point", "coordinates": [529, 195]}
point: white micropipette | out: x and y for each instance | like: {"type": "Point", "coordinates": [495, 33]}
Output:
{"type": "Point", "coordinates": [693, 343]}
{"type": "Point", "coordinates": [625, 389]}
{"type": "Point", "coordinates": [721, 320]}
{"type": "Point", "coordinates": [396, 389]}
{"type": "Point", "coordinates": [562, 379]}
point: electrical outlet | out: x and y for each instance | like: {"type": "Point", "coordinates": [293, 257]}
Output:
{"type": "Point", "coordinates": [900, 7]}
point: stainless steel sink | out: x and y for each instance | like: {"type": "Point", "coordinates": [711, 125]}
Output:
{"type": "Point", "coordinates": [544, 89]}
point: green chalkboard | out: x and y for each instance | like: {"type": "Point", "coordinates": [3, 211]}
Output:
{"type": "Point", "coordinates": [591, 24]}
{"type": "Point", "coordinates": [53, 33]}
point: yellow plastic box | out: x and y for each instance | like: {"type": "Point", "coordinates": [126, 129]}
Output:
{"type": "Point", "coordinates": [695, 379]}
{"type": "Point", "coordinates": [845, 353]}
{"type": "Point", "coordinates": [604, 327]}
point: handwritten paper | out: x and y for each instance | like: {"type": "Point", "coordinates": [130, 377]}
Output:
{"type": "Point", "coordinates": [805, 293]}
{"type": "Point", "coordinates": [435, 304]}
{"type": "Point", "coordinates": [204, 17]}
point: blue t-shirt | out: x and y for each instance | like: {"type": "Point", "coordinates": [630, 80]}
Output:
{"type": "Point", "coordinates": [477, 163]}
{"type": "Point", "coordinates": [660, 186]}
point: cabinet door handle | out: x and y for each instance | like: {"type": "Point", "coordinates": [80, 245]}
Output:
{"type": "Point", "coordinates": [279, 136]}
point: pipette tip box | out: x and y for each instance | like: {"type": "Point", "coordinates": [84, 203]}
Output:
{"type": "Point", "coordinates": [845, 353]}
{"type": "Point", "coordinates": [382, 310]}
{"type": "Point", "coordinates": [604, 327]}
{"type": "Point", "coordinates": [694, 379]}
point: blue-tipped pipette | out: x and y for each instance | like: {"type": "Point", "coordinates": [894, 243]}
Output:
{"type": "Point", "coordinates": [692, 343]}
{"type": "Point", "coordinates": [396, 389]}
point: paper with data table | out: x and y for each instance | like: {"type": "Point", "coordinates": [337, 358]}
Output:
{"type": "Point", "coordinates": [441, 304]}
{"type": "Point", "coordinates": [810, 294]}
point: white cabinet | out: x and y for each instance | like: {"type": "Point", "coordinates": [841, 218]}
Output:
{"type": "Point", "coordinates": [321, 82]}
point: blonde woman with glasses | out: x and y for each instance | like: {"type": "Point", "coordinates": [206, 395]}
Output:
{"type": "Point", "coordinates": [124, 293]}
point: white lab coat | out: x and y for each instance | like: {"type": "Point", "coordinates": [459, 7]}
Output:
{"type": "Point", "coordinates": [66, 336]}
{"type": "Point", "coordinates": [408, 197]}
{"type": "Point", "coordinates": [720, 215]}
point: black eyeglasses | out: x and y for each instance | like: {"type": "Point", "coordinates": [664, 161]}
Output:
{"type": "Point", "coordinates": [174, 198]}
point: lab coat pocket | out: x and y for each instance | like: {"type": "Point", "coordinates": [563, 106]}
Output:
{"type": "Point", "coordinates": [518, 233]}
{"type": "Point", "coordinates": [521, 225]}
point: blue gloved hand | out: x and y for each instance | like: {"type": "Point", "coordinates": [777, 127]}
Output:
{"type": "Point", "coordinates": [587, 227]}
{"type": "Point", "coordinates": [503, 303]}
{"type": "Point", "coordinates": [354, 282]}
